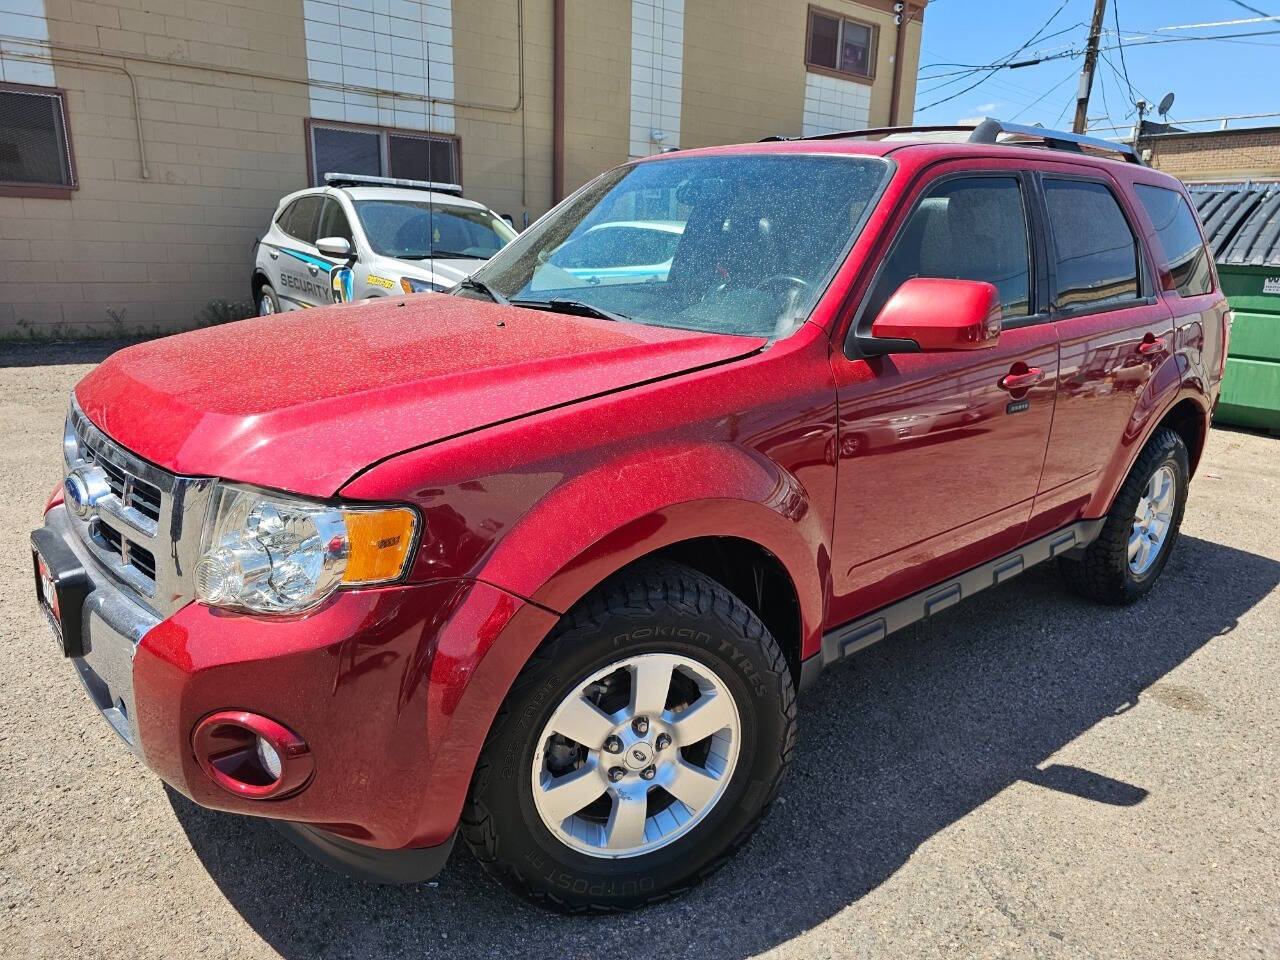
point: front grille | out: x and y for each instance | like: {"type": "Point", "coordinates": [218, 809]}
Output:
{"type": "Point", "coordinates": [132, 491]}
{"type": "Point", "coordinates": [139, 531]}
{"type": "Point", "coordinates": [130, 553]}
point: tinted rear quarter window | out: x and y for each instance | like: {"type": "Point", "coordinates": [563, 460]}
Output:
{"type": "Point", "coordinates": [1180, 239]}
{"type": "Point", "coordinates": [1097, 258]}
{"type": "Point", "coordinates": [300, 219]}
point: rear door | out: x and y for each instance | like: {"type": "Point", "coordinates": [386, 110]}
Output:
{"type": "Point", "coordinates": [938, 462]}
{"type": "Point", "coordinates": [1115, 336]}
{"type": "Point", "coordinates": [302, 272]}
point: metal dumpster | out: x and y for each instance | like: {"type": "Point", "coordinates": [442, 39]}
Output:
{"type": "Point", "coordinates": [1242, 224]}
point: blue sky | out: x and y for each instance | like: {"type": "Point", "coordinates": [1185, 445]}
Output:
{"type": "Point", "coordinates": [1208, 78]}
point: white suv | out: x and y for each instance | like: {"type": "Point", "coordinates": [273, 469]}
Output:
{"type": "Point", "coordinates": [359, 237]}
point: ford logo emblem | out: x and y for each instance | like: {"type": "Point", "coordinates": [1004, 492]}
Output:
{"type": "Point", "coordinates": [83, 488]}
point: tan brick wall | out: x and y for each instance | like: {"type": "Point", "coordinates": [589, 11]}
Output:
{"type": "Point", "coordinates": [486, 72]}
{"type": "Point", "coordinates": [222, 90]}
{"type": "Point", "coordinates": [221, 149]}
{"type": "Point", "coordinates": [744, 70]}
{"type": "Point", "coordinates": [597, 81]}
{"type": "Point", "coordinates": [1221, 155]}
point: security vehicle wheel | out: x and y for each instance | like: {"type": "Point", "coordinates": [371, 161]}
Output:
{"type": "Point", "coordinates": [638, 748]}
{"type": "Point", "coordinates": [268, 302]}
{"type": "Point", "coordinates": [1139, 532]}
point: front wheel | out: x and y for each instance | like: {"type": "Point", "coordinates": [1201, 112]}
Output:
{"type": "Point", "coordinates": [1138, 534]}
{"type": "Point", "coordinates": [638, 748]}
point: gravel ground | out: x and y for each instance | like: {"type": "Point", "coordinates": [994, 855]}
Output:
{"type": "Point", "coordinates": [1031, 775]}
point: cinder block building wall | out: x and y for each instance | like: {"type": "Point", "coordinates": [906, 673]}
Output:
{"type": "Point", "coordinates": [1244, 154]}
{"type": "Point", "coordinates": [145, 143]}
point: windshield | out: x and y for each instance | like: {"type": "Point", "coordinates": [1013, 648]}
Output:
{"type": "Point", "coordinates": [734, 244]}
{"type": "Point", "coordinates": [416, 229]}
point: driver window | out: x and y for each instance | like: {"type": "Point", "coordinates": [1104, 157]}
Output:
{"type": "Point", "coordinates": [967, 228]}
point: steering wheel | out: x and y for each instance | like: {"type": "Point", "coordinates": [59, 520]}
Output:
{"type": "Point", "coordinates": [773, 278]}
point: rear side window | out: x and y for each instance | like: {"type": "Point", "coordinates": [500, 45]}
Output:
{"type": "Point", "coordinates": [1180, 239]}
{"type": "Point", "coordinates": [300, 219]}
{"type": "Point", "coordinates": [1097, 258]}
{"type": "Point", "coordinates": [969, 228]}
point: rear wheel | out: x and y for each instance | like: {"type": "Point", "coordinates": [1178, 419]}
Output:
{"type": "Point", "coordinates": [638, 748]}
{"type": "Point", "coordinates": [1138, 535]}
{"type": "Point", "coordinates": [268, 302]}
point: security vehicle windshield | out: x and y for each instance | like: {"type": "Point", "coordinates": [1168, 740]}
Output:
{"type": "Point", "coordinates": [735, 244]}
{"type": "Point", "coordinates": [420, 230]}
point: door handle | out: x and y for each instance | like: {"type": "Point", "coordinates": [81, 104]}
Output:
{"type": "Point", "coordinates": [1150, 347]}
{"type": "Point", "coordinates": [313, 268]}
{"type": "Point", "coordinates": [1021, 381]}
{"type": "Point", "coordinates": [273, 254]}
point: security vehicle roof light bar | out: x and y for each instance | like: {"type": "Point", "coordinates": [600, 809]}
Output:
{"type": "Point", "coordinates": [365, 180]}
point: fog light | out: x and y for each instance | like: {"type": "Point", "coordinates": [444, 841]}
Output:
{"type": "Point", "coordinates": [251, 755]}
{"type": "Point", "coordinates": [269, 759]}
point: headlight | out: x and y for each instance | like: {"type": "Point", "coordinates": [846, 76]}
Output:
{"type": "Point", "coordinates": [273, 553]}
{"type": "Point", "coordinates": [410, 285]}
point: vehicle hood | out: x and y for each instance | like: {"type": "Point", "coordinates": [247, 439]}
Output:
{"type": "Point", "coordinates": [303, 401]}
{"type": "Point", "coordinates": [441, 270]}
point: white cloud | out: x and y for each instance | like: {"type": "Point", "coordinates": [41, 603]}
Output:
{"type": "Point", "coordinates": [985, 107]}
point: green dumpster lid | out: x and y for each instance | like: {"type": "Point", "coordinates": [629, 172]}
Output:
{"type": "Point", "coordinates": [1242, 223]}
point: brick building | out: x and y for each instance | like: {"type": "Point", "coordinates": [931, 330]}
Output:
{"type": "Point", "coordinates": [1249, 153]}
{"type": "Point", "coordinates": [144, 143]}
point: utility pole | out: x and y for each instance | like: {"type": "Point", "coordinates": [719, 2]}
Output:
{"type": "Point", "coordinates": [1090, 61]}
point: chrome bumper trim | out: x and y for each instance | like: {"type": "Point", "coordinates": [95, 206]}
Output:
{"type": "Point", "coordinates": [115, 624]}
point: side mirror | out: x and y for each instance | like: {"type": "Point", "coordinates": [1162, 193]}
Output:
{"type": "Point", "coordinates": [927, 314]}
{"type": "Point", "coordinates": [337, 247]}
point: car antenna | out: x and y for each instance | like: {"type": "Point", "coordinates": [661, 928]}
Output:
{"type": "Point", "coordinates": [431, 197]}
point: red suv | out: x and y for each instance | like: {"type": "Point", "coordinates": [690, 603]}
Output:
{"type": "Point", "coordinates": [544, 562]}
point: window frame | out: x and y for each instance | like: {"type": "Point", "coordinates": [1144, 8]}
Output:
{"type": "Point", "coordinates": [332, 198]}
{"type": "Point", "coordinates": [45, 191]}
{"type": "Point", "coordinates": [872, 53]}
{"type": "Point", "coordinates": [1146, 293]}
{"type": "Point", "coordinates": [1037, 275]}
{"type": "Point", "coordinates": [384, 145]}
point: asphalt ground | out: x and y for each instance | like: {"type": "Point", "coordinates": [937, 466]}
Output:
{"type": "Point", "coordinates": [1029, 775]}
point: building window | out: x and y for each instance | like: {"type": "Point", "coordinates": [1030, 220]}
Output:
{"type": "Point", "coordinates": [379, 152]}
{"type": "Point", "coordinates": [35, 149]}
{"type": "Point", "coordinates": [839, 45]}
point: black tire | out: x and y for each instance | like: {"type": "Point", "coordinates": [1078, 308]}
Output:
{"type": "Point", "coordinates": [663, 608]}
{"type": "Point", "coordinates": [267, 292]}
{"type": "Point", "coordinates": [1103, 573]}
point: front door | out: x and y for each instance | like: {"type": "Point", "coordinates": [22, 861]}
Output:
{"type": "Point", "coordinates": [939, 460]}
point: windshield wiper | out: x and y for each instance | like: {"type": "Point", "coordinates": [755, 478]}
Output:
{"type": "Point", "coordinates": [574, 307]}
{"type": "Point", "coordinates": [471, 283]}
{"type": "Point", "coordinates": [456, 255]}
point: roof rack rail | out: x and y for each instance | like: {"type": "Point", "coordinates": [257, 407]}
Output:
{"type": "Point", "coordinates": [986, 131]}
{"type": "Point", "coordinates": [989, 128]}
{"type": "Point", "coordinates": [870, 132]}
{"type": "Point", "coordinates": [366, 180]}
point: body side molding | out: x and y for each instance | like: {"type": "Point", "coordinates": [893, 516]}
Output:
{"type": "Point", "coordinates": [847, 640]}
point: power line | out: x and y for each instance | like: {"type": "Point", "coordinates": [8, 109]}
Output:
{"type": "Point", "coordinates": [1042, 96]}
{"type": "Point", "coordinates": [1034, 37]}
{"type": "Point", "coordinates": [1245, 6]}
{"type": "Point", "coordinates": [1115, 12]}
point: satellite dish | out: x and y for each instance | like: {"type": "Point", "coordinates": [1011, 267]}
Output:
{"type": "Point", "coordinates": [1165, 104]}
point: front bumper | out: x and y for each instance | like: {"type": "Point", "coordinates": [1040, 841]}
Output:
{"type": "Point", "coordinates": [393, 689]}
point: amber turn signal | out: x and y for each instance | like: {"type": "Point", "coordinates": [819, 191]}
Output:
{"type": "Point", "coordinates": [379, 542]}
